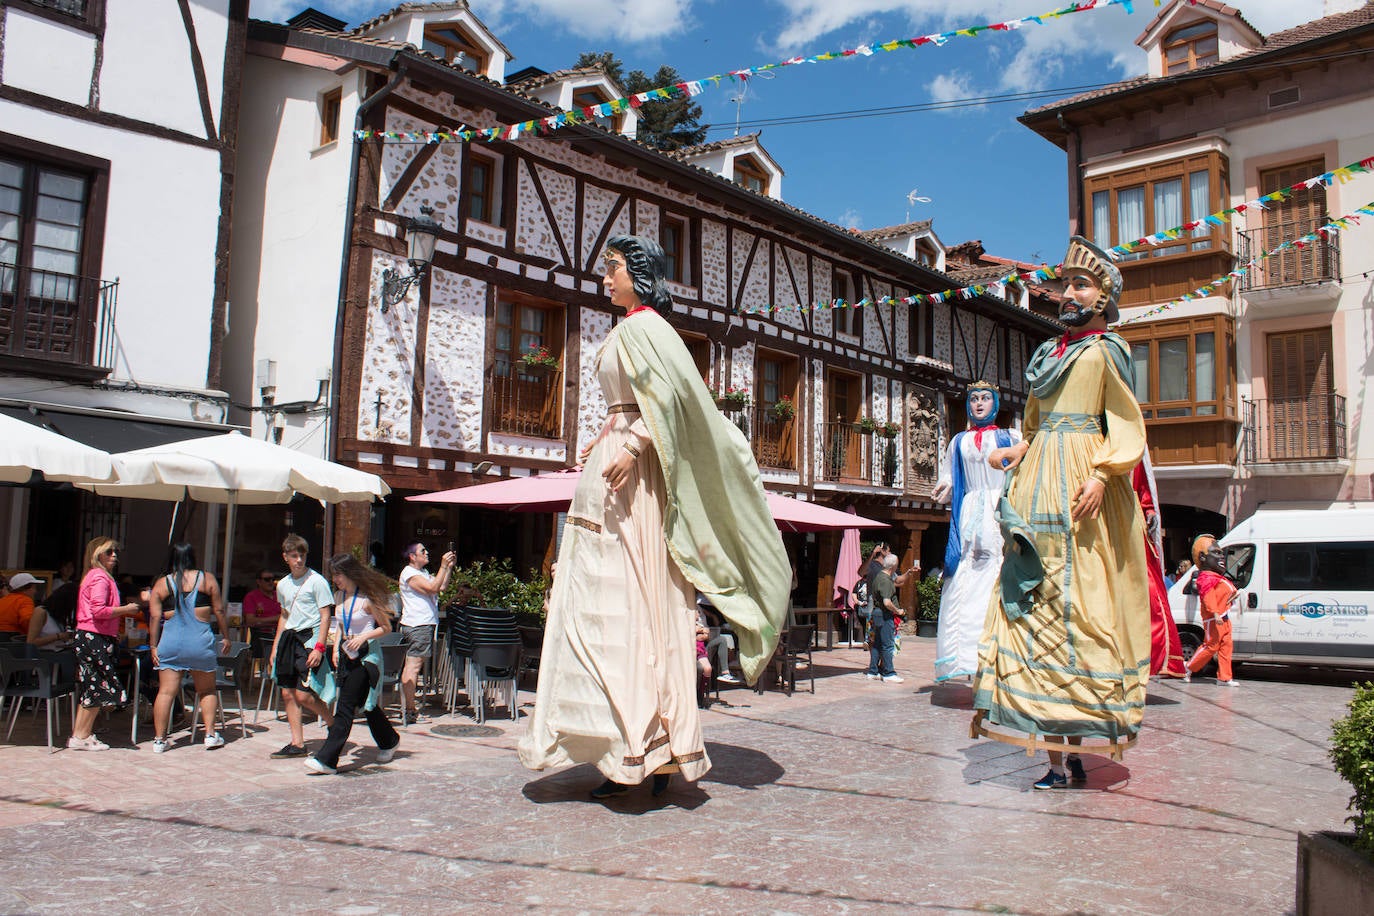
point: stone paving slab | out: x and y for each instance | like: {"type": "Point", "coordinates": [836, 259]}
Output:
{"type": "Point", "coordinates": [863, 797]}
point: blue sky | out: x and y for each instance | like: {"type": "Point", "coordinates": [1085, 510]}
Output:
{"type": "Point", "coordinates": [987, 176]}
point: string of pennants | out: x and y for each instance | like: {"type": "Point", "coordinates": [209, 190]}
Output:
{"type": "Point", "coordinates": [1239, 272]}
{"type": "Point", "coordinates": [1039, 275]}
{"type": "Point", "coordinates": [552, 122]}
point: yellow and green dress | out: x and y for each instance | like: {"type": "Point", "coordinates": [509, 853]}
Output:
{"type": "Point", "coordinates": [1066, 645]}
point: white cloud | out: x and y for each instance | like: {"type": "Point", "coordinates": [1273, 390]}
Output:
{"type": "Point", "coordinates": [951, 87]}
{"type": "Point", "coordinates": [851, 219]}
{"type": "Point", "coordinates": [1041, 50]}
{"type": "Point", "coordinates": [632, 21]}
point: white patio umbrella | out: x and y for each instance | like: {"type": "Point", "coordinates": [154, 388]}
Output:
{"type": "Point", "coordinates": [25, 448]}
{"type": "Point", "coordinates": [235, 470]}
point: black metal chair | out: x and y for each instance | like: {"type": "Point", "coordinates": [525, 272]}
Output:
{"type": "Point", "coordinates": [795, 648]}
{"type": "Point", "coordinates": [48, 677]}
{"type": "Point", "coordinates": [233, 672]}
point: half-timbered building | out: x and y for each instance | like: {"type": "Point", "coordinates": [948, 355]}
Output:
{"type": "Point", "coordinates": [432, 391]}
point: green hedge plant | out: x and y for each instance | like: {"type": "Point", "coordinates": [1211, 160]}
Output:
{"type": "Point", "coordinates": [499, 586]}
{"type": "Point", "coordinates": [1352, 751]}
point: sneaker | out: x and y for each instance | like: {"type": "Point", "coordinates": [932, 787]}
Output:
{"type": "Point", "coordinates": [290, 750]}
{"type": "Point", "coordinates": [727, 678]}
{"type": "Point", "coordinates": [384, 754]}
{"type": "Point", "coordinates": [1187, 677]}
{"type": "Point", "coordinates": [161, 745]}
{"type": "Point", "coordinates": [1077, 774]}
{"type": "Point", "coordinates": [413, 717]}
{"type": "Point", "coordinates": [609, 789]}
{"type": "Point", "coordinates": [86, 744]}
{"type": "Point", "coordinates": [213, 741]}
{"type": "Point", "coordinates": [893, 679]}
{"type": "Point", "coordinates": [313, 767]}
{"type": "Point", "coordinates": [1053, 780]}
{"type": "Point", "coordinates": [1231, 683]}
{"type": "Point", "coordinates": [870, 676]}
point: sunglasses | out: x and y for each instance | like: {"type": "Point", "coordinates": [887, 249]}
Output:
{"type": "Point", "coordinates": [264, 578]}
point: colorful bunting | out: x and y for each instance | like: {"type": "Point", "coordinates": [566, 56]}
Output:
{"type": "Point", "coordinates": [696, 87]}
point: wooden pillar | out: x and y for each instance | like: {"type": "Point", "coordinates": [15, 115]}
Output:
{"type": "Point", "coordinates": [909, 557]}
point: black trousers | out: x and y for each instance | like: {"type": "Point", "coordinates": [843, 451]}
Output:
{"type": "Point", "coordinates": [354, 680]}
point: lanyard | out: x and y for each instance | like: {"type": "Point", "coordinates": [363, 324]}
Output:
{"type": "Point", "coordinates": [347, 621]}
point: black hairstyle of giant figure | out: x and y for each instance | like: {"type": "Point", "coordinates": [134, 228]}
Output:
{"type": "Point", "coordinates": [644, 259]}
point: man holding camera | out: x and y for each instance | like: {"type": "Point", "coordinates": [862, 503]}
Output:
{"type": "Point", "coordinates": [882, 590]}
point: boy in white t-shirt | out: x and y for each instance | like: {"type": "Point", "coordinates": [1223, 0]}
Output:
{"type": "Point", "coordinates": [307, 603]}
{"type": "Point", "coordinates": [419, 617]}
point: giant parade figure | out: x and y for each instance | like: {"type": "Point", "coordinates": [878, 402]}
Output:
{"type": "Point", "coordinates": [973, 554]}
{"type": "Point", "coordinates": [1065, 653]}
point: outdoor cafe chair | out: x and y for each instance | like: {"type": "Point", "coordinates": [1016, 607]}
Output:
{"type": "Point", "coordinates": [48, 676]}
{"type": "Point", "coordinates": [231, 673]}
{"type": "Point", "coordinates": [532, 644]}
{"type": "Point", "coordinates": [794, 647]}
{"type": "Point", "coordinates": [393, 661]}
{"type": "Point", "coordinates": [494, 667]}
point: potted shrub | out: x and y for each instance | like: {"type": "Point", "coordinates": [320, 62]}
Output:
{"type": "Point", "coordinates": [889, 430]}
{"type": "Point", "coordinates": [784, 409]}
{"type": "Point", "coordinates": [733, 399]}
{"type": "Point", "coordinates": [538, 361]}
{"type": "Point", "coordinates": [1336, 870]}
{"type": "Point", "coordinates": [866, 425]}
{"type": "Point", "coordinates": [928, 606]}
{"type": "Point", "coordinates": [499, 586]}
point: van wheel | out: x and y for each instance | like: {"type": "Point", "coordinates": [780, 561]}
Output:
{"type": "Point", "coordinates": [1189, 641]}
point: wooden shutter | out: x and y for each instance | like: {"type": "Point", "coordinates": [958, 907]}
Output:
{"type": "Point", "coordinates": [1301, 385]}
{"type": "Point", "coordinates": [1300, 215]}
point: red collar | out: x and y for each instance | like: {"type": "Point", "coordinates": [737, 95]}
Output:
{"type": "Point", "coordinates": [639, 308]}
{"type": "Point", "coordinates": [1071, 337]}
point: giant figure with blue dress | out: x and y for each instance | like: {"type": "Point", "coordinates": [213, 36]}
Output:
{"type": "Point", "coordinates": [973, 554]}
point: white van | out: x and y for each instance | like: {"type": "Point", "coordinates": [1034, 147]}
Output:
{"type": "Point", "coordinates": [1306, 585]}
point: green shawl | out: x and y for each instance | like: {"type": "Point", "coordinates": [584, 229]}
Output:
{"type": "Point", "coordinates": [716, 524]}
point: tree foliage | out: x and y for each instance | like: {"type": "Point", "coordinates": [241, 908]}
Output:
{"type": "Point", "coordinates": [665, 124]}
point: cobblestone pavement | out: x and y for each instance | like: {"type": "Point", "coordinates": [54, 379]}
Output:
{"type": "Point", "coordinates": [865, 797]}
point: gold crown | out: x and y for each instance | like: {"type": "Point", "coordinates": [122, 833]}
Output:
{"type": "Point", "coordinates": [980, 385]}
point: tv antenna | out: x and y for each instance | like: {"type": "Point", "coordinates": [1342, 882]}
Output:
{"type": "Point", "coordinates": [739, 98]}
{"type": "Point", "coordinates": [912, 200]}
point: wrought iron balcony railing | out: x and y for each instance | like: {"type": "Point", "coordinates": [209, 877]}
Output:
{"type": "Point", "coordinates": [774, 439]}
{"type": "Point", "coordinates": [1294, 429]}
{"type": "Point", "coordinates": [1314, 262]}
{"type": "Point", "coordinates": [845, 451]}
{"type": "Point", "coordinates": [526, 403]}
{"type": "Point", "coordinates": [57, 317]}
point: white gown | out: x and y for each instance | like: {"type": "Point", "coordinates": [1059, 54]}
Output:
{"type": "Point", "coordinates": [965, 595]}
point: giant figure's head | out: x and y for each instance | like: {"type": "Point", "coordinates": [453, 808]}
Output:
{"type": "Point", "coordinates": [982, 403]}
{"type": "Point", "coordinates": [643, 259]}
{"type": "Point", "coordinates": [1084, 261]}
{"type": "Point", "coordinates": [1207, 554]}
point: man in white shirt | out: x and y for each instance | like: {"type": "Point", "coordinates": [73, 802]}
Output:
{"type": "Point", "coordinates": [307, 604]}
{"type": "Point", "coordinates": [419, 617]}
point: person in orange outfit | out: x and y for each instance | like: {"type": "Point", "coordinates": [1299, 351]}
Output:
{"type": "Point", "coordinates": [1166, 655]}
{"type": "Point", "coordinates": [1217, 595]}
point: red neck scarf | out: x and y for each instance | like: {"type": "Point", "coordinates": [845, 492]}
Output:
{"type": "Point", "coordinates": [988, 425]}
{"type": "Point", "coordinates": [1070, 337]}
{"type": "Point", "coordinates": [639, 308]}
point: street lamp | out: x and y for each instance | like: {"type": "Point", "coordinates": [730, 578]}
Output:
{"type": "Point", "coordinates": [421, 233]}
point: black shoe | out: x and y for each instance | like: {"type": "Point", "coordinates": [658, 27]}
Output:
{"type": "Point", "coordinates": [609, 789]}
{"type": "Point", "coordinates": [290, 750]}
{"type": "Point", "coordinates": [661, 781]}
{"type": "Point", "coordinates": [1077, 775]}
{"type": "Point", "coordinates": [1052, 780]}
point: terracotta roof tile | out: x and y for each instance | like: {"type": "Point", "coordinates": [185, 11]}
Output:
{"type": "Point", "coordinates": [892, 232]}
{"type": "Point", "coordinates": [701, 149]}
{"type": "Point", "coordinates": [538, 82]}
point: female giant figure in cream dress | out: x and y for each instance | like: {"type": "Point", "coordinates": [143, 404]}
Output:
{"type": "Point", "coordinates": [669, 502]}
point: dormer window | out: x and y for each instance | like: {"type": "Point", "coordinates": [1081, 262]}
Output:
{"type": "Point", "coordinates": [455, 46]}
{"type": "Point", "coordinates": [587, 96]}
{"type": "Point", "coordinates": [750, 174]}
{"type": "Point", "coordinates": [1190, 48]}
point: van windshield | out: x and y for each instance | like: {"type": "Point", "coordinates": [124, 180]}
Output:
{"type": "Point", "coordinates": [1240, 563]}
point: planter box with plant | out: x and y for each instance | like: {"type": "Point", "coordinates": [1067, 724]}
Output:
{"type": "Point", "coordinates": [866, 425]}
{"type": "Point", "coordinates": [733, 399]}
{"type": "Point", "coordinates": [538, 360]}
{"type": "Point", "coordinates": [784, 409]}
{"type": "Point", "coordinates": [499, 586]}
{"type": "Point", "coordinates": [889, 430]}
{"type": "Point", "coordinates": [1336, 870]}
{"type": "Point", "coordinates": [928, 610]}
